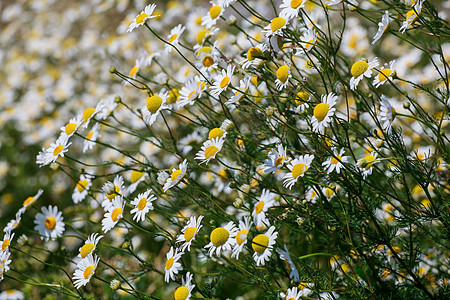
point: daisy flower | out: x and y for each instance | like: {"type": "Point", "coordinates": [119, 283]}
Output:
{"type": "Point", "coordinates": [174, 37]}
{"type": "Point", "coordinates": [308, 40]}
{"type": "Point", "coordinates": [284, 255]}
{"type": "Point", "coordinates": [209, 150]}
{"type": "Point", "coordinates": [323, 112]}
{"type": "Point", "coordinates": [82, 188]}
{"type": "Point", "coordinates": [240, 92]}
{"type": "Point", "coordinates": [134, 70]}
{"type": "Point", "coordinates": [301, 101]}
{"type": "Point", "coordinates": [207, 59]}
{"type": "Point", "coordinates": [85, 269]}
{"type": "Point", "coordinates": [335, 162]}
{"type": "Point", "coordinates": [6, 241]}
{"type": "Point", "coordinates": [142, 204]}
{"type": "Point", "coordinates": [154, 105]}
{"type": "Point", "coordinates": [72, 126]}
{"type": "Point", "coordinates": [111, 190]}
{"type": "Point", "coordinates": [56, 149]}
{"type": "Point", "coordinates": [90, 112]}
{"type": "Point", "coordinates": [30, 201]}
{"type": "Point", "coordinates": [214, 14]}
{"type": "Point", "coordinates": [298, 168]}
{"type": "Point", "coordinates": [4, 263]}
{"type": "Point", "coordinates": [265, 201]}
{"type": "Point", "coordinates": [275, 27]}
{"type": "Point", "coordinates": [176, 176]}
{"type": "Point", "coordinates": [91, 137]}
{"type": "Point", "coordinates": [292, 294]}
{"type": "Point", "coordinates": [147, 61]}
{"type": "Point", "coordinates": [387, 113]}
{"type": "Point", "coordinates": [365, 164]}
{"type": "Point", "coordinates": [361, 69]}
{"type": "Point", "coordinates": [49, 223]}
{"type": "Point", "coordinates": [262, 244]}
{"type": "Point", "coordinates": [89, 245]}
{"type": "Point", "coordinates": [222, 81]}
{"type": "Point", "coordinates": [143, 17]}
{"type": "Point", "coordinates": [220, 132]}
{"type": "Point", "coordinates": [172, 265]}
{"type": "Point", "coordinates": [12, 295]}
{"type": "Point", "coordinates": [312, 195]}
{"type": "Point", "coordinates": [382, 27]}
{"type": "Point", "coordinates": [283, 75]}
{"type": "Point", "coordinates": [184, 291]}
{"type": "Point", "coordinates": [276, 159]}
{"type": "Point", "coordinates": [136, 177]}
{"type": "Point", "coordinates": [386, 73]}
{"type": "Point", "coordinates": [113, 214]}
{"type": "Point", "coordinates": [290, 8]}
{"type": "Point", "coordinates": [253, 56]}
{"type": "Point", "coordinates": [222, 239]}
{"type": "Point", "coordinates": [189, 232]}
{"type": "Point", "coordinates": [13, 224]}
{"type": "Point", "coordinates": [411, 16]}
{"type": "Point", "coordinates": [241, 236]}
{"type": "Point", "coordinates": [191, 91]}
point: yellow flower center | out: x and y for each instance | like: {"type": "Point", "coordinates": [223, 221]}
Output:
{"type": "Point", "coordinates": [28, 201]}
{"type": "Point", "coordinates": [169, 263]}
{"type": "Point", "coordinates": [302, 97]}
{"type": "Point", "coordinates": [87, 114]}
{"type": "Point", "coordinates": [279, 161]}
{"type": "Point", "coordinates": [370, 159]}
{"type": "Point", "coordinates": [5, 245]}
{"type": "Point", "coordinates": [154, 103]}
{"type": "Point", "coordinates": [384, 74]}
{"type": "Point", "coordinates": [208, 61]}
{"type": "Point", "coordinates": [70, 128]}
{"type": "Point", "coordinates": [50, 223]}
{"type": "Point", "coordinates": [175, 175]}
{"type": "Point", "coordinates": [201, 36]}
{"type": "Point", "coordinates": [58, 150]}
{"type": "Point", "coordinates": [277, 23]}
{"type": "Point", "coordinates": [181, 293]}
{"type": "Point", "coordinates": [335, 160]}
{"type": "Point", "coordinates": [205, 49]}
{"type": "Point", "coordinates": [140, 18]}
{"type": "Point", "coordinates": [82, 184]}
{"type": "Point", "coordinates": [253, 52]}
{"type": "Point", "coordinates": [358, 68]}
{"type": "Point", "coordinates": [298, 170]}
{"type": "Point", "coordinates": [133, 71]}
{"type": "Point", "coordinates": [260, 243]}
{"type": "Point", "coordinates": [296, 3]}
{"type": "Point", "coordinates": [89, 135]}
{"type": "Point", "coordinates": [225, 81]}
{"type": "Point", "coordinates": [219, 236]}
{"type": "Point", "coordinates": [223, 176]}
{"type": "Point", "coordinates": [320, 111]}
{"type": "Point", "coordinates": [86, 249]}
{"type": "Point", "coordinates": [191, 94]}
{"type": "Point", "coordinates": [241, 236]}
{"type": "Point", "coordinates": [135, 176]}
{"type": "Point", "coordinates": [214, 11]}
{"type": "Point", "coordinates": [116, 214]}
{"type": "Point", "coordinates": [215, 133]}
{"type": "Point", "coordinates": [189, 233]}
{"type": "Point", "coordinates": [283, 73]}
{"type": "Point", "coordinates": [259, 207]}
{"type": "Point", "coordinates": [329, 192]}
{"type": "Point", "coordinates": [211, 151]}
{"type": "Point", "coordinates": [173, 37]}
{"type": "Point", "coordinates": [412, 14]}
{"type": "Point", "coordinates": [114, 193]}
{"type": "Point", "coordinates": [142, 203]}
{"type": "Point", "coordinates": [88, 272]}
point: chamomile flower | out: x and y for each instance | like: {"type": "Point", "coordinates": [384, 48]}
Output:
{"type": "Point", "coordinates": [265, 201]}
{"type": "Point", "coordinates": [72, 126]}
{"type": "Point", "coordinates": [242, 236]}
{"type": "Point", "coordinates": [85, 269]}
{"type": "Point", "coordinates": [51, 154]}
{"type": "Point", "coordinates": [49, 223]}
{"type": "Point", "coordinates": [149, 58]}
{"type": "Point", "coordinates": [4, 244]}
{"type": "Point", "coordinates": [189, 232]}
{"type": "Point", "coordinates": [292, 294]}
{"type": "Point", "coordinates": [222, 81]}
{"type": "Point", "coordinates": [253, 56]}
{"type": "Point", "coordinates": [176, 176]}
{"type": "Point", "coordinates": [136, 177]}
{"type": "Point", "coordinates": [213, 15]}
{"type": "Point", "coordinates": [142, 204]}
{"type": "Point", "coordinates": [172, 265]}
{"type": "Point", "coordinates": [11, 295]}
{"type": "Point", "coordinates": [308, 40]}
{"type": "Point", "coordinates": [207, 59]}
{"type": "Point", "coordinates": [134, 70]}
{"type": "Point", "coordinates": [143, 17]}
{"type": "Point", "coordinates": [210, 149]}
{"type": "Point", "coordinates": [291, 8]}
{"type": "Point", "coordinates": [262, 244]}
{"type": "Point", "coordinates": [298, 168]}
{"type": "Point", "coordinates": [191, 91]}
{"type": "Point", "coordinates": [184, 291]}
{"type": "Point", "coordinates": [386, 73]}
{"type": "Point", "coordinates": [411, 15]}
{"type": "Point", "coordinates": [31, 200]}
{"type": "Point", "coordinates": [89, 245]}
{"type": "Point", "coordinates": [239, 94]}
{"type": "Point", "coordinates": [111, 190]}
{"type": "Point", "coordinates": [174, 37]}
{"type": "Point", "coordinates": [220, 132]}
{"type": "Point", "coordinates": [323, 112]}
{"type": "Point", "coordinates": [335, 162]}
{"type": "Point", "coordinates": [365, 164]}
{"type": "Point", "coordinates": [301, 101]}
{"type": "Point", "coordinates": [82, 188]}
{"type": "Point", "coordinates": [387, 113]}
{"type": "Point", "coordinates": [91, 137]}
{"type": "Point", "coordinates": [382, 27]}
{"type": "Point", "coordinates": [153, 107]}
{"type": "Point", "coordinates": [361, 69]}
{"type": "Point", "coordinates": [91, 112]}
{"type": "Point", "coordinates": [293, 272]}
{"type": "Point", "coordinates": [222, 239]}
{"type": "Point", "coordinates": [275, 27]}
{"type": "Point", "coordinates": [113, 214]}
{"type": "Point", "coordinates": [283, 75]}
{"type": "Point", "coordinates": [4, 263]}
{"type": "Point", "coordinates": [276, 159]}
